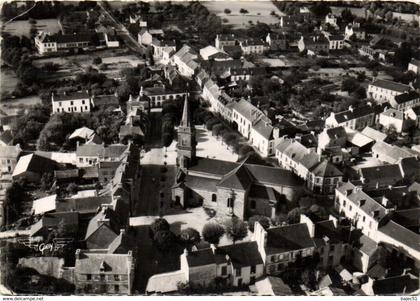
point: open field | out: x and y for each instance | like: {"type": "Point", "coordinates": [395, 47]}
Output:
{"type": "Point", "coordinates": [8, 80]}
{"type": "Point", "coordinates": [23, 27]}
{"type": "Point", "coordinates": [12, 106]}
{"type": "Point", "coordinates": [258, 11]}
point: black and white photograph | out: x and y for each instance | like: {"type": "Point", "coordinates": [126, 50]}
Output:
{"type": "Point", "coordinates": [209, 148]}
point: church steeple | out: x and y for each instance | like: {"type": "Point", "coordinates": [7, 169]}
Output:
{"type": "Point", "coordinates": [185, 121]}
{"type": "Point", "coordinates": [186, 151]}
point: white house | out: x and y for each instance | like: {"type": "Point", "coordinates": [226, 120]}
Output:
{"type": "Point", "coordinates": [186, 61]}
{"type": "Point", "coordinates": [414, 66]}
{"type": "Point", "coordinates": [384, 90]}
{"type": "Point", "coordinates": [244, 114]}
{"type": "Point", "coordinates": [253, 46]}
{"type": "Point", "coordinates": [71, 102]}
{"type": "Point", "coordinates": [336, 41]}
{"type": "Point", "coordinates": [331, 19]}
{"type": "Point", "coordinates": [264, 136]}
{"type": "Point", "coordinates": [146, 36]}
{"type": "Point", "coordinates": [393, 118]}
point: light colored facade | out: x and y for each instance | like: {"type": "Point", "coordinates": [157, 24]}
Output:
{"type": "Point", "coordinates": [354, 118]}
{"type": "Point", "coordinates": [414, 66]}
{"type": "Point", "coordinates": [384, 91]}
{"type": "Point", "coordinates": [280, 246]}
{"type": "Point", "coordinates": [104, 273]}
{"type": "Point", "coordinates": [253, 47]}
{"type": "Point", "coordinates": [224, 40]}
{"type": "Point", "coordinates": [356, 205]}
{"type": "Point", "coordinates": [331, 19]}
{"type": "Point", "coordinates": [244, 114]}
{"type": "Point", "coordinates": [8, 158]}
{"type": "Point", "coordinates": [76, 102]}
{"type": "Point", "coordinates": [392, 118]}
{"type": "Point", "coordinates": [185, 60]}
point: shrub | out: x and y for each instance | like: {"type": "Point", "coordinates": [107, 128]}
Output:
{"type": "Point", "coordinates": [97, 60]}
{"type": "Point", "coordinates": [263, 220]}
{"type": "Point", "coordinates": [227, 11]}
{"type": "Point", "coordinates": [211, 122]}
{"type": "Point", "coordinates": [190, 236]}
{"type": "Point", "coordinates": [160, 224]}
{"type": "Point", "coordinates": [237, 229]}
{"type": "Point", "coordinates": [212, 233]}
{"type": "Point", "coordinates": [164, 240]}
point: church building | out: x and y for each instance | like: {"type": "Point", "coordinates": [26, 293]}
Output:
{"type": "Point", "coordinates": [230, 188]}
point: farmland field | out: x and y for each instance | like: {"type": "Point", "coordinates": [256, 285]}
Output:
{"type": "Point", "coordinates": [23, 27]}
{"type": "Point", "coordinates": [257, 11]}
{"type": "Point", "coordinates": [8, 80]}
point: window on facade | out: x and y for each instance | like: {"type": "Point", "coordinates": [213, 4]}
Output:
{"type": "Point", "coordinates": [214, 197]}
{"type": "Point", "coordinates": [364, 218]}
{"type": "Point", "coordinates": [230, 202]}
{"type": "Point", "coordinates": [239, 281]}
{"type": "Point", "coordinates": [116, 288]}
{"type": "Point", "coordinates": [252, 279]}
{"type": "Point", "coordinates": [253, 204]}
{"type": "Point", "coordinates": [238, 272]}
{"type": "Point", "coordinates": [59, 103]}
{"type": "Point", "coordinates": [102, 277]}
{"type": "Point", "coordinates": [83, 102]}
{"type": "Point", "coordinates": [71, 102]}
{"type": "Point", "coordinates": [350, 207]}
{"type": "Point", "coordinates": [370, 224]}
{"type": "Point", "coordinates": [117, 277]}
{"type": "Point", "coordinates": [88, 277]}
{"type": "Point", "coordinates": [224, 270]}
{"type": "Point", "coordinates": [253, 269]}
{"type": "Point", "coordinates": [332, 248]}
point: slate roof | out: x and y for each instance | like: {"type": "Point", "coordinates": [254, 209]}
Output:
{"type": "Point", "coordinates": [264, 192]}
{"type": "Point", "coordinates": [201, 183]}
{"type": "Point", "coordinates": [407, 218]}
{"type": "Point", "coordinates": [382, 174]}
{"type": "Point", "coordinates": [66, 174]}
{"type": "Point", "coordinates": [357, 112]}
{"type": "Point", "coordinates": [398, 285]}
{"type": "Point", "coordinates": [410, 166]}
{"type": "Point", "coordinates": [201, 258]}
{"type": "Point", "coordinates": [401, 234]}
{"type": "Point", "coordinates": [415, 62]}
{"type": "Point", "coordinates": [405, 97]}
{"type": "Point", "coordinates": [390, 85]}
{"type": "Point", "coordinates": [244, 254]}
{"type": "Point", "coordinates": [129, 129]}
{"type": "Point", "coordinates": [70, 219]}
{"type": "Point", "coordinates": [288, 238]}
{"type": "Point", "coordinates": [361, 199]}
{"type": "Point", "coordinates": [6, 137]}
{"type": "Point", "coordinates": [226, 37]}
{"type": "Point", "coordinates": [326, 229]}
{"type": "Point", "coordinates": [238, 178]}
{"type": "Point", "coordinates": [247, 110]}
{"type": "Point", "coordinates": [105, 213]}
{"type": "Point", "coordinates": [326, 169]}
{"type": "Point", "coordinates": [70, 96]}
{"type": "Point", "coordinates": [336, 133]}
{"type": "Point", "coordinates": [264, 128]}
{"type": "Point", "coordinates": [91, 263]}
{"type": "Point", "coordinates": [394, 114]}
{"type": "Point", "coordinates": [83, 205]}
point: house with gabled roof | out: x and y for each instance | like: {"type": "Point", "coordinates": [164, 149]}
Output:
{"type": "Point", "coordinates": [383, 91]}
{"type": "Point", "coordinates": [77, 102]}
{"type": "Point", "coordinates": [104, 273]}
{"type": "Point", "coordinates": [405, 101]}
{"type": "Point", "coordinates": [414, 66]}
{"type": "Point", "coordinates": [354, 118]}
{"type": "Point", "coordinates": [282, 245]}
{"type": "Point", "coordinates": [9, 157]}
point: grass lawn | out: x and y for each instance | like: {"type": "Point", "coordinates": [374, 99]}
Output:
{"type": "Point", "coordinates": [8, 80]}
{"type": "Point", "coordinates": [257, 11]}
{"type": "Point", "coordinates": [23, 27]}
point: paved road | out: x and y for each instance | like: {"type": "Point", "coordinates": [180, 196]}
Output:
{"type": "Point", "coordinates": [123, 33]}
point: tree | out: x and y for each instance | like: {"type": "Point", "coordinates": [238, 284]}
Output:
{"type": "Point", "coordinates": [97, 60]}
{"type": "Point", "coordinates": [47, 180]}
{"type": "Point", "coordinates": [13, 202]}
{"type": "Point", "coordinates": [244, 150]}
{"type": "Point", "coordinates": [263, 220]}
{"type": "Point", "coordinates": [320, 9]}
{"type": "Point", "coordinates": [236, 228]}
{"type": "Point", "coordinates": [349, 85]}
{"type": "Point", "coordinates": [212, 233]}
{"type": "Point", "coordinates": [227, 11]}
{"type": "Point", "coordinates": [243, 11]}
{"type": "Point", "coordinates": [217, 129]}
{"type": "Point", "coordinates": [403, 55]}
{"type": "Point", "coordinates": [347, 16]}
{"type": "Point", "coordinates": [164, 240]}
{"type": "Point", "coordinates": [190, 236]}
{"type": "Point", "coordinates": [293, 216]}
{"type": "Point", "coordinates": [212, 122]}
{"type": "Point", "coordinates": [159, 224]}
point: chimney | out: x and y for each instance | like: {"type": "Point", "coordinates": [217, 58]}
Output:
{"type": "Point", "coordinates": [385, 201]}
{"type": "Point", "coordinates": [122, 231]}
{"type": "Point", "coordinates": [363, 180]}
{"type": "Point", "coordinates": [334, 220]}
{"type": "Point", "coordinates": [77, 143]}
{"type": "Point", "coordinates": [141, 91]}
{"type": "Point", "coordinates": [213, 248]}
{"type": "Point", "coordinates": [77, 254]}
{"type": "Point", "coordinates": [185, 252]}
{"type": "Point", "coordinates": [65, 92]}
{"type": "Point", "coordinates": [351, 108]}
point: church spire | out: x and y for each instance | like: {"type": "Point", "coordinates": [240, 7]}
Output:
{"type": "Point", "coordinates": [185, 121]}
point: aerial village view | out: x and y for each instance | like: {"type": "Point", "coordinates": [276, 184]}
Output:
{"type": "Point", "coordinates": [231, 148]}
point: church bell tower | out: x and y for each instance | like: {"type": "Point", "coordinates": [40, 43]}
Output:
{"type": "Point", "coordinates": [186, 146]}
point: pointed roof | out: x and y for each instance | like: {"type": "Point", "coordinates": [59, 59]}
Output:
{"type": "Point", "coordinates": [185, 121]}
{"type": "Point", "coordinates": [238, 178]}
